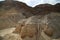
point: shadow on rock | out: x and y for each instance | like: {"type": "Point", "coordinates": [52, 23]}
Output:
{"type": "Point", "coordinates": [1, 38]}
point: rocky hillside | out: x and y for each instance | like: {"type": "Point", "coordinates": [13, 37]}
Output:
{"type": "Point", "coordinates": [46, 8]}
{"type": "Point", "coordinates": [21, 22]}
{"type": "Point", "coordinates": [11, 14]}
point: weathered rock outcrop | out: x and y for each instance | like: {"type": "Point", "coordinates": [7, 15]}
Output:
{"type": "Point", "coordinates": [29, 29]}
{"type": "Point", "coordinates": [53, 25]}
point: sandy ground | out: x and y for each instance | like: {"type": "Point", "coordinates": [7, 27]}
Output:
{"type": "Point", "coordinates": [6, 31]}
{"type": "Point", "coordinates": [8, 35]}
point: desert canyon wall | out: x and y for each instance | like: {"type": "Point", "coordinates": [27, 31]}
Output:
{"type": "Point", "coordinates": [41, 22]}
